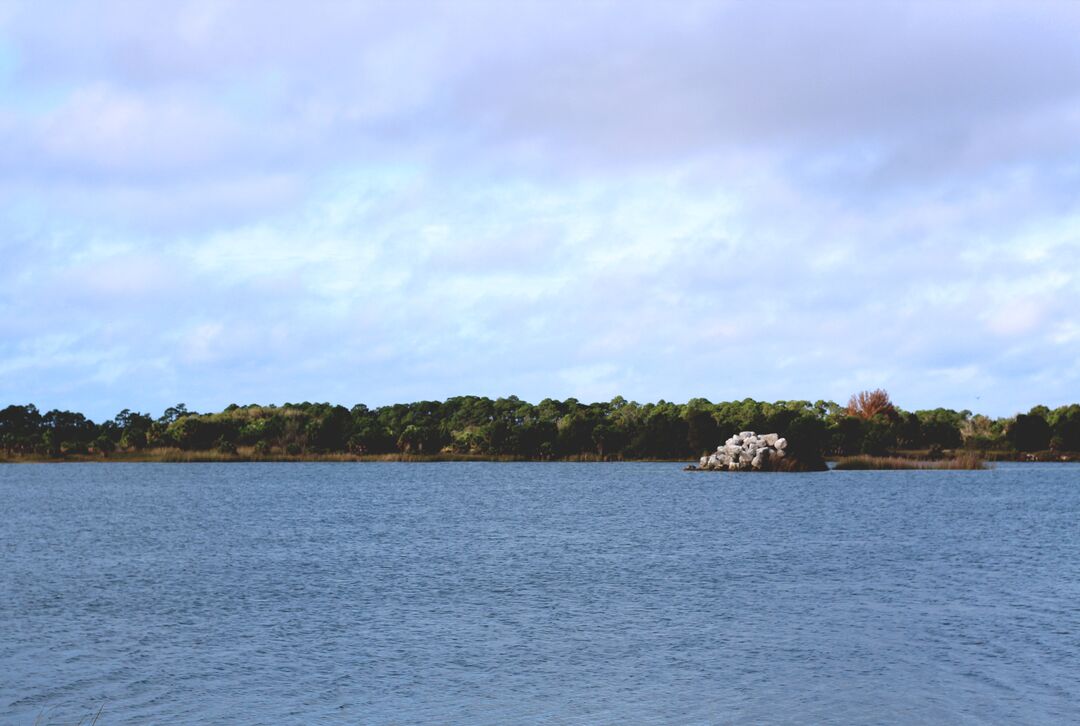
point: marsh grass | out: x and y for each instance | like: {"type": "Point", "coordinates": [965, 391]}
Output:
{"type": "Point", "coordinates": [244, 454]}
{"type": "Point", "coordinates": [250, 453]}
{"type": "Point", "coordinates": [887, 463]}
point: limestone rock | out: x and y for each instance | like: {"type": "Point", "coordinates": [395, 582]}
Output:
{"type": "Point", "coordinates": [746, 451]}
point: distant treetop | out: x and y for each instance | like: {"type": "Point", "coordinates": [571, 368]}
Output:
{"type": "Point", "coordinates": [867, 404]}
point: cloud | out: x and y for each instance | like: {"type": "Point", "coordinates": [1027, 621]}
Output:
{"type": "Point", "coordinates": [240, 201]}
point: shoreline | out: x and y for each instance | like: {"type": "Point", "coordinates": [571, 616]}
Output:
{"type": "Point", "coordinates": [174, 456]}
{"type": "Point", "coordinates": [209, 457]}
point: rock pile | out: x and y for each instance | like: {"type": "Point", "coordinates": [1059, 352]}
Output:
{"type": "Point", "coordinates": [746, 451]}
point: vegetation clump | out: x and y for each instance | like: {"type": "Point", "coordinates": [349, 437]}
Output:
{"type": "Point", "coordinates": [967, 460]}
{"type": "Point", "coordinates": [868, 404]}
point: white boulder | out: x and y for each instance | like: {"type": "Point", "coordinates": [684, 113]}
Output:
{"type": "Point", "coordinates": [747, 451]}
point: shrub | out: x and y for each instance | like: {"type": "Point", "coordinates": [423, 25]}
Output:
{"type": "Point", "coordinates": [1029, 432]}
{"type": "Point", "coordinates": [867, 404]}
{"type": "Point", "coordinates": [104, 445]}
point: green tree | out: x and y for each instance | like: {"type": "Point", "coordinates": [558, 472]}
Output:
{"type": "Point", "coordinates": [20, 429]}
{"type": "Point", "coordinates": [193, 433]}
{"type": "Point", "coordinates": [702, 430]}
{"type": "Point", "coordinates": [942, 427]}
{"type": "Point", "coordinates": [418, 440]}
{"type": "Point", "coordinates": [878, 435]}
{"type": "Point", "coordinates": [174, 413]}
{"type": "Point", "coordinates": [1065, 422]}
{"type": "Point", "coordinates": [104, 445]}
{"type": "Point", "coordinates": [74, 431]}
{"type": "Point", "coordinates": [1029, 432]}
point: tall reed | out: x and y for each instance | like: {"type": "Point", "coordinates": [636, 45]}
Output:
{"type": "Point", "coordinates": [966, 460]}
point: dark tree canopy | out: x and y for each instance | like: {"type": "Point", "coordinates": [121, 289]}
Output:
{"type": "Point", "coordinates": [1029, 432]}
{"type": "Point", "coordinates": [550, 429]}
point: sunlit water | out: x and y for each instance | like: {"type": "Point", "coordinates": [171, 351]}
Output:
{"type": "Point", "coordinates": [523, 593]}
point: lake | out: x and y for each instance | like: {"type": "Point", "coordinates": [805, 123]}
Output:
{"type": "Point", "coordinates": [523, 593]}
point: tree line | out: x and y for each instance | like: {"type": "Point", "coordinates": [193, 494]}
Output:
{"type": "Point", "coordinates": [551, 429]}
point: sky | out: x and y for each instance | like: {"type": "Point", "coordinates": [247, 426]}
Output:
{"type": "Point", "coordinates": [217, 202]}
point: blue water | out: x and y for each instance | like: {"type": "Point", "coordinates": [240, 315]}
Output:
{"type": "Point", "coordinates": [525, 593]}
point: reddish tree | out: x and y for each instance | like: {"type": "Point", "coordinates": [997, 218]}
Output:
{"type": "Point", "coordinates": [867, 404]}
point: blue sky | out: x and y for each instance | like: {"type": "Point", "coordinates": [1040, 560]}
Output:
{"type": "Point", "coordinates": [218, 202]}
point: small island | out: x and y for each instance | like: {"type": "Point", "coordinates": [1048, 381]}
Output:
{"type": "Point", "coordinates": [746, 451]}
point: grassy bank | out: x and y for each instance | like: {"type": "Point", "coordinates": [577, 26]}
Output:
{"type": "Point", "coordinates": [887, 463]}
{"type": "Point", "coordinates": [249, 454]}
{"type": "Point", "coordinates": [900, 460]}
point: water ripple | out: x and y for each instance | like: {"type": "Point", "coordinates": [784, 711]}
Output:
{"type": "Point", "coordinates": [524, 593]}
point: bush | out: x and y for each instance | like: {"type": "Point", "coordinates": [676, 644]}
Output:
{"type": "Point", "coordinates": [104, 445]}
{"type": "Point", "coordinates": [73, 447]}
{"type": "Point", "coordinates": [868, 404]}
{"type": "Point", "coordinates": [1029, 432]}
{"type": "Point", "coordinates": [133, 440]}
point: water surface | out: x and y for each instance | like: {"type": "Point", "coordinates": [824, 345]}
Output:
{"type": "Point", "coordinates": [523, 593]}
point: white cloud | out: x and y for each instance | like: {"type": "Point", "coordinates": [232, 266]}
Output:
{"type": "Point", "coordinates": [220, 201]}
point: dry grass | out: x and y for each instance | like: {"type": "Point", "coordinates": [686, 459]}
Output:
{"type": "Point", "coordinates": [248, 454]}
{"type": "Point", "coordinates": [245, 454]}
{"type": "Point", "coordinates": [887, 463]}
